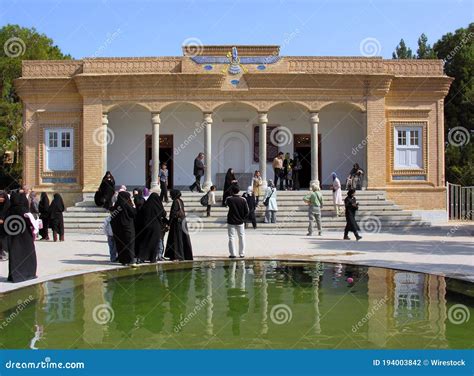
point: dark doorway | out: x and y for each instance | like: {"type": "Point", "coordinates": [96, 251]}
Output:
{"type": "Point", "coordinates": [302, 146]}
{"type": "Point", "coordinates": [166, 155]}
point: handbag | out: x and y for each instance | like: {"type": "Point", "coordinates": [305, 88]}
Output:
{"type": "Point", "coordinates": [267, 200]}
{"type": "Point", "coordinates": [205, 200]}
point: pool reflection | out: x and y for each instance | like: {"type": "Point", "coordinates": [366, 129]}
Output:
{"type": "Point", "coordinates": [241, 304]}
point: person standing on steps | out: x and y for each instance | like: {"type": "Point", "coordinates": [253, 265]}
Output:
{"type": "Point", "coordinates": [238, 212]}
{"type": "Point", "coordinates": [352, 206]}
{"type": "Point", "coordinates": [297, 167]}
{"type": "Point", "coordinates": [198, 173]}
{"type": "Point", "coordinates": [315, 202]}
{"type": "Point", "coordinates": [270, 202]}
{"type": "Point", "coordinates": [257, 183]}
{"type": "Point", "coordinates": [337, 194]}
{"type": "Point", "coordinates": [211, 199]}
{"type": "Point", "coordinates": [252, 204]}
{"type": "Point", "coordinates": [163, 175]}
{"type": "Point", "coordinates": [278, 170]}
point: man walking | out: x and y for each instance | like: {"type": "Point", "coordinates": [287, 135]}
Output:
{"type": "Point", "coordinates": [238, 212]}
{"type": "Point", "coordinates": [198, 173]}
{"type": "Point", "coordinates": [315, 202]}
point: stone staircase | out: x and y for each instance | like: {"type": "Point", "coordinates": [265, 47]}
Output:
{"type": "Point", "coordinates": [375, 214]}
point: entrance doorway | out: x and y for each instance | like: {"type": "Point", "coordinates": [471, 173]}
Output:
{"type": "Point", "coordinates": [302, 146]}
{"type": "Point", "coordinates": [166, 156]}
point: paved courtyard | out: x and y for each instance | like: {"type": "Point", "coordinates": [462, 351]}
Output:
{"type": "Point", "coordinates": [444, 250]}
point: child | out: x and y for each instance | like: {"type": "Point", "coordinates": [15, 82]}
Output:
{"type": "Point", "coordinates": [251, 202]}
{"type": "Point", "coordinates": [211, 199]}
{"type": "Point", "coordinates": [164, 183]}
{"type": "Point", "coordinates": [110, 239]}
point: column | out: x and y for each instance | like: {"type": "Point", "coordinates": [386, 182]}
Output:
{"type": "Point", "coordinates": [155, 153]}
{"type": "Point", "coordinates": [207, 122]}
{"type": "Point", "coordinates": [314, 120]}
{"type": "Point", "coordinates": [262, 146]}
{"type": "Point", "coordinates": [105, 124]}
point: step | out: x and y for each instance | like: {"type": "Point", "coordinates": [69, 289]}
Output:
{"type": "Point", "coordinates": [279, 225]}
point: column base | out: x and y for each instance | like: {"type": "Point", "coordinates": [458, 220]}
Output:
{"type": "Point", "coordinates": [315, 182]}
{"type": "Point", "coordinates": [206, 185]}
{"type": "Point", "coordinates": [155, 187]}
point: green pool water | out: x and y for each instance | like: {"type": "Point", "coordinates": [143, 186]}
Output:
{"type": "Point", "coordinates": [241, 304]}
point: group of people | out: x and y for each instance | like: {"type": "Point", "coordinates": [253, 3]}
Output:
{"type": "Point", "coordinates": [136, 225]}
{"type": "Point", "coordinates": [23, 217]}
{"type": "Point", "coordinates": [286, 170]}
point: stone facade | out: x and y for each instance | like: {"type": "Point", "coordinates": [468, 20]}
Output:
{"type": "Point", "coordinates": [80, 94]}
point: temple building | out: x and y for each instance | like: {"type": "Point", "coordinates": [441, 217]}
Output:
{"type": "Point", "coordinates": [240, 105]}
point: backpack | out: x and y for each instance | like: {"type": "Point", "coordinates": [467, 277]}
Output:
{"type": "Point", "coordinates": [205, 199]}
{"type": "Point", "coordinates": [267, 200]}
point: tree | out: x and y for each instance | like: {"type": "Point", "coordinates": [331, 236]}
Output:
{"type": "Point", "coordinates": [457, 51]}
{"type": "Point", "coordinates": [424, 51]}
{"type": "Point", "coordinates": [402, 51]}
{"type": "Point", "coordinates": [17, 44]}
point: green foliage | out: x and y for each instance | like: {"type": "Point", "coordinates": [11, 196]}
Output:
{"type": "Point", "coordinates": [424, 51]}
{"type": "Point", "coordinates": [17, 44]}
{"type": "Point", "coordinates": [457, 51]}
{"type": "Point", "coordinates": [402, 51]}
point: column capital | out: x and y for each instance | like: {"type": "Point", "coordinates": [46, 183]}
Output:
{"type": "Point", "coordinates": [105, 118]}
{"type": "Point", "coordinates": [263, 117]}
{"type": "Point", "coordinates": [155, 118]}
{"type": "Point", "coordinates": [314, 117]}
{"type": "Point", "coordinates": [207, 117]}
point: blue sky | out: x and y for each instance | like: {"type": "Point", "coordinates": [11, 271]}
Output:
{"type": "Point", "coordinates": [159, 28]}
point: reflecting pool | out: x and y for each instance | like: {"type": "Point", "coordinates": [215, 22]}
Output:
{"type": "Point", "coordinates": [241, 304]}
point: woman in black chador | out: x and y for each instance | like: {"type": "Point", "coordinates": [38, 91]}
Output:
{"type": "Point", "coordinates": [351, 207]}
{"type": "Point", "coordinates": [149, 225]}
{"type": "Point", "coordinates": [229, 180]}
{"type": "Point", "coordinates": [123, 228]}
{"type": "Point", "coordinates": [138, 198]}
{"type": "Point", "coordinates": [4, 206]}
{"type": "Point", "coordinates": [178, 246]}
{"type": "Point", "coordinates": [103, 197]}
{"type": "Point", "coordinates": [21, 245]}
{"type": "Point", "coordinates": [55, 214]}
{"type": "Point", "coordinates": [43, 208]}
